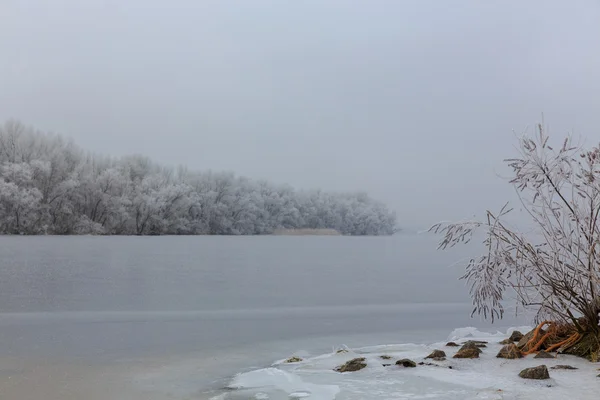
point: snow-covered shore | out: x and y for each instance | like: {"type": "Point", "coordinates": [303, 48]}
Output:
{"type": "Point", "coordinates": [485, 378]}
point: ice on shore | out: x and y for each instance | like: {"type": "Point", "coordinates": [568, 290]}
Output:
{"type": "Point", "coordinates": [488, 377]}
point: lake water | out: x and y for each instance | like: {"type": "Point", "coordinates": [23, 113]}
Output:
{"type": "Point", "coordinates": [176, 317]}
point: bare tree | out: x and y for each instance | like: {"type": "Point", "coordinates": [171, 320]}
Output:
{"type": "Point", "coordinates": [553, 269]}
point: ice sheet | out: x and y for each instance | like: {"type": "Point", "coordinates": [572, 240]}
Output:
{"type": "Point", "coordinates": [485, 378]}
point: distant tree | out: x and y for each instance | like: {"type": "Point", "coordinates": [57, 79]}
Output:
{"type": "Point", "coordinates": [19, 200]}
{"type": "Point", "coordinates": [49, 185]}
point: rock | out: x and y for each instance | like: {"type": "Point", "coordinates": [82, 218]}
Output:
{"type": "Point", "coordinates": [510, 351]}
{"type": "Point", "coordinates": [432, 364]}
{"type": "Point", "coordinates": [293, 359]}
{"type": "Point", "coordinates": [516, 336]}
{"type": "Point", "coordinates": [543, 354]}
{"type": "Point", "coordinates": [475, 343]}
{"type": "Point", "coordinates": [385, 357]}
{"type": "Point", "coordinates": [470, 345]}
{"type": "Point", "coordinates": [352, 365]}
{"type": "Point", "coordinates": [527, 337]}
{"type": "Point", "coordinates": [469, 352]}
{"type": "Point", "coordinates": [405, 362]}
{"type": "Point", "coordinates": [342, 349]}
{"type": "Point", "coordinates": [563, 367]}
{"type": "Point", "coordinates": [386, 365]}
{"type": "Point", "coordinates": [437, 355]}
{"type": "Point", "coordinates": [540, 372]}
{"type": "Point", "coordinates": [451, 344]}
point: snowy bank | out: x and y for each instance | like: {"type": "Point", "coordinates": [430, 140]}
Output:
{"type": "Point", "coordinates": [486, 377]}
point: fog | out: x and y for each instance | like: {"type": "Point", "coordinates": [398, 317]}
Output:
{"type": "Point", "coordinates": [412, 101]}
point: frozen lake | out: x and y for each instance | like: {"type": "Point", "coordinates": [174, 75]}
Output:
{"type": "Point", "coordinates": [176, 317]}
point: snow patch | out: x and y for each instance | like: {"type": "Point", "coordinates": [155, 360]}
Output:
{"type": "Point", "coordinates": [277, 381]}
{"type": "Point", "coordinates": [486, 378]}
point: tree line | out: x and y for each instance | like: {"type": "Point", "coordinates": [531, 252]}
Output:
{"type": "Point", "coordinates": [48, 185]}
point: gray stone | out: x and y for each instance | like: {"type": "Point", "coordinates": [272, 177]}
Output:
{"type": "Point", "coordinates": [437, 355]}
{"type": "Point", "coordinates": [510, 351]}
{"type": "Point", "coordinates": [516, 336]}
{"type": "Point", "coordinates": [405, 362]}
{"type": "Point", "coordinates": [540, 372]}
{"type": "Point", "coordinates": [469, 352]}
{"type": "Point", "coordinates": [476, 343]}
{"type": "Point", "coordinates": [563, 367]}
{"type": "Point", "coordinates": [352, 365]}
{"type": "Point", "coordinates": [470, 345]}
{"type": "Point", "coordinates": [543, 354]}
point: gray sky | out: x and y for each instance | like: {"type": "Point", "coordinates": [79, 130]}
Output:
{"type": "Point", "coordinates": [413, 101]}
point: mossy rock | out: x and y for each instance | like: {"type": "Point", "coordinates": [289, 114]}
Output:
{"type": "Point", "coordinates": [355, 364]}
{"type": "Point", "coordinates": [475, 343]}
{"type": "Point", "coordinates": [468, 352]}
{"type": "Point", "coordinates": [510, 352]}
{"type": "Point", "coordinates": [405, 362]}
{"type": "Point", "coordinates": [471, 345]}
{"type": "Point", "coordinates": [516, 336]}
{"type": "Point", "coordinates": [437, 355]}
{"type": "Point", "coordinates": [563, 367]}
{"type": "Point", "coordinates": [385, 357]}
{"type": "Point", "coordinates": [451, 344]}
{"type": "Point", "coordinates": [293, 359]}
{"type": "Point", "coordinates": [539, 372]}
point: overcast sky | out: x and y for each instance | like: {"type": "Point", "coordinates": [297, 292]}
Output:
{"type": "Point", "coordinates": [412, 101]}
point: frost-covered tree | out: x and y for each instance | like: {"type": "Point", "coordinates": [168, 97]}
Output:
{"type": "Point", "coordinates": [49, 185]}
{"type": "Point", "coordinates": [553, 267]}
{"type": "Point", "coordinates": [20, 210]}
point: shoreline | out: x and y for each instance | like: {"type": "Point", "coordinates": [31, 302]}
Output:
{"type": "Point", "coordinates": [250, 371]}
{"type": "Point", "coordinates": [487, 377]}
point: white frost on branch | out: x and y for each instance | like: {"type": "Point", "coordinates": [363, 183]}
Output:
{"type": "Point", "coordinates": [554, 270]}
{"type": "Point", "coordinates": [49, 185]}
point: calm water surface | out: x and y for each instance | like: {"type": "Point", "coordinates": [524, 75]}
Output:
{"type": "Point", "coordinates": [182, 314]}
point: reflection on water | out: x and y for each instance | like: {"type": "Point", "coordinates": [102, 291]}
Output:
{"type": "Point", "coordinates": [178, 315]}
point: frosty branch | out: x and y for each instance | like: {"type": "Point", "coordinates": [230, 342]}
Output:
{"type": "Point", "coordinates": [555, 269]}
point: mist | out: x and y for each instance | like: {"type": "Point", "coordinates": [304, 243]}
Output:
{"type": "Point", "coordinates": [415, 102]}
